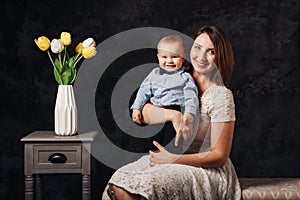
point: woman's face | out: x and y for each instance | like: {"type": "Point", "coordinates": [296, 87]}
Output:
{"type": "Point", "coordinates": [203, 54]}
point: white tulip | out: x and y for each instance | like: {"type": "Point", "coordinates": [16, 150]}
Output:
{"type": "Point", "coordinates": [90, 42]}
{"type": "Point", "coordinates": [56, 46]}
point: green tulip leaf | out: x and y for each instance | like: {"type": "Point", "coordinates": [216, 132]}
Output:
{"type": "Point", "coordinates": [71, 63]}
{"type": "Point", "coordinates": [73, 75]}
{"type": "Point", "coordinates": [57, 65]}
{"type": "Point", "coordinates": [57, 76]}
{"type": "Point", "coordinates": [66, 75]}
{"type": "Point", "coordinates": [65, 67]}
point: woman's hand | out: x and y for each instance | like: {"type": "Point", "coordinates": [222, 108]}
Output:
{"type": "Point", "coordinates": [161, 157]}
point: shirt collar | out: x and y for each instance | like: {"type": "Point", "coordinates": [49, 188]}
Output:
{"type": "Point", "coordinates": [162, 71]}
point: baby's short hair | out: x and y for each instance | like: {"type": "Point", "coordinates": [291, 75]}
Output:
{"type": "Point", "coordinates": [171, 39]}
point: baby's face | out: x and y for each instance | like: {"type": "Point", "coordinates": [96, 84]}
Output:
{"type": "Point", "coordinates": [170, 56]}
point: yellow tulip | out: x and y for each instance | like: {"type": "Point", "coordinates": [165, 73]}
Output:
{"type": "Point", "coordinates": [78, 48]}
{"type": "Point", "coordinates": [89, 52]}
{"type": "Point", "coordinates": [43, 43]}
{"type": "Point", "coordinates": [65, 38]}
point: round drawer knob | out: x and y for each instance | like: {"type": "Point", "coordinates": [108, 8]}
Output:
{"type": "Point", "coordinates": [57, 158]}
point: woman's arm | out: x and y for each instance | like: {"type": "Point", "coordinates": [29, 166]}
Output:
{"type": "Point", "coordinates": [221, 141]}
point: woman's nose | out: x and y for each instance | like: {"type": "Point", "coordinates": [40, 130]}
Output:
{"type": "Point", "coordinates": [202, 55]}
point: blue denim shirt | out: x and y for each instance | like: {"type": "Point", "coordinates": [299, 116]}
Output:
{"type": "Point", "coordinates": [168, 88]}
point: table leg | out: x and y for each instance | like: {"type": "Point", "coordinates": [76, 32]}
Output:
{"type": "Point", "coordinates": [38, 187]}
{"type": "Point", "coordinates": [86, 187]}
{"type": "Point", "coordinates": [29, 180]}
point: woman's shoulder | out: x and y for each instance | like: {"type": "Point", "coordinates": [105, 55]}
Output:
{"type": "Point", "coordinates": [219, 103]}
{"type": "Point", "coordinates": [218, 91]}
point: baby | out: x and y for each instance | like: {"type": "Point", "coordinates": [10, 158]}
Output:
{"type": "Point", "coordinates": [168, 85]}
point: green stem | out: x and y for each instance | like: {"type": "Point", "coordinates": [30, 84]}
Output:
{"type": "Point", "coordinates": [50, 58]}
{"type": "Point", "coordinates": [65, 51]}
{"type": "Point", "coordinates": [60, 80]}
{"type": "Point", "coordinates": [76, 57]}
{"type": "Point", "coordinates": [77, 61]}
{"type": "Point", "coordinates": [59, 57]}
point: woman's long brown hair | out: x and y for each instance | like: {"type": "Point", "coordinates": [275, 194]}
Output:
{"type": "Point", "coordinates": [223, 54]}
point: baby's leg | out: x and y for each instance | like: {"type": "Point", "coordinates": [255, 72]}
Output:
{"type": "Point", "coordinates": [172, 117]}
{"type": "Point", "coordinates": [155, 115]}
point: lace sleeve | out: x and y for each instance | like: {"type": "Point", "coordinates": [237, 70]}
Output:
{"type": "Point", "coordinates": [222, 108]}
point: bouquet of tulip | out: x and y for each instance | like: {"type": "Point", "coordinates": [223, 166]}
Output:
{"type": "Point", "coordinates": [64, 65]}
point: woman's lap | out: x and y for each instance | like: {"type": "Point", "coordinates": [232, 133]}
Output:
{"type": "Point", "coordinates": [172, 181]}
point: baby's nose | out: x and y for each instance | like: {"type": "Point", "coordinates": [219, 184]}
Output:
{"type": "Point", "coordinates": [169, 60]}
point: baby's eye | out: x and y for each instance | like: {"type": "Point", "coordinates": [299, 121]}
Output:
{"type": "Point", "coordinates": [175, 56]}
{"type": "Point", "coordinates": [164, 56]}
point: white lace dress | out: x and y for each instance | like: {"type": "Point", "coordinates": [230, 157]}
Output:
{"type": "Point", "coordinates": [176, 181]}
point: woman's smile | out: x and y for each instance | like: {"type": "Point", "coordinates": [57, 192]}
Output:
{"type": "Point", "coordinates": [201, 63]}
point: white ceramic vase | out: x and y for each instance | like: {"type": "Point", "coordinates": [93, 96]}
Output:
{"type": "Point", "coordinates": [65, 112]}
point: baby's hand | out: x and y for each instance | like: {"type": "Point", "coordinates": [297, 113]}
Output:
{"type": "Point", "coordinates": [137, 116]}
{"type": "Point", "coordinates": [188, 120]}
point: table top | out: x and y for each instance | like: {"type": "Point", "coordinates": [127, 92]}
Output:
{"type": "Point", "coordinates": [50, 136]}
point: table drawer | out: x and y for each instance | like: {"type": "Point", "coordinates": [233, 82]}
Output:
{"type": "Point", "coordinates": [57, 156]}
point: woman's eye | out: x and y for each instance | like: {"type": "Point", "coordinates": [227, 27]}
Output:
{"type": "Point", "coordinates": [197, 47]}
{"type": "Point", "coordinates": [212, 52]}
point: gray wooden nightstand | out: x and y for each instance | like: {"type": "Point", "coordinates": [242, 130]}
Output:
{"type": "Point", "coordinates": [47, 153]}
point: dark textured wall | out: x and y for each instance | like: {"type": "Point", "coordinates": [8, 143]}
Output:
{"type": "Point", "coordinates": [265, 82]}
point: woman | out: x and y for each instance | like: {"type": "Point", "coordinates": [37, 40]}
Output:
{"type": "Point", "coordinates": [205, 170]}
